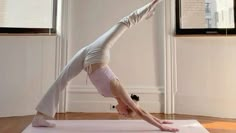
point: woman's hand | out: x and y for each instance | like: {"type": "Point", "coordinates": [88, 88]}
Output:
{"type": "Point", "coordinates": [169, 129]}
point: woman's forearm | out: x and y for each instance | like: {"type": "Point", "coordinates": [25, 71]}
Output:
{"type": "Point", "coordinates": [149, 118]}
{"type": "Point", "coordinates": [156, 119]}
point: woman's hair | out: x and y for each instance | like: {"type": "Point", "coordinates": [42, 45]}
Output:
{"type": "Point", "coordinates": [134, 97]}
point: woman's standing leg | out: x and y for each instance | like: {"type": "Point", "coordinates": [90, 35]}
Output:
{"type": "Point", "coordinates": [48, 104]}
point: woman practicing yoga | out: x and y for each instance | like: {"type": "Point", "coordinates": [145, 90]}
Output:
{"type": "Point", "coordinates": [94, 59]}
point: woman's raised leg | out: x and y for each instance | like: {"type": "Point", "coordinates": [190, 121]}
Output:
{"type": "Point", "coordinates": [102, 45]}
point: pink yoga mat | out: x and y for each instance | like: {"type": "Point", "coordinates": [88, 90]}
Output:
{"type": "Point", "coordinates": [115, 126]}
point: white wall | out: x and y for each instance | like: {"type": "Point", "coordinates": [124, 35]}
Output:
{"type": "Point", "coordinates": [206, 76]}
{"type": "Point", "coordinates": [205, 65]}
{"type": "Point", "coordinates": [137, 58]}
{"type": "Point", "coordinates": [26, 71]}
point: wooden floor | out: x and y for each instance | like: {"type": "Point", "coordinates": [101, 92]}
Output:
{"type": "Point", "coordinates": [213, 125]}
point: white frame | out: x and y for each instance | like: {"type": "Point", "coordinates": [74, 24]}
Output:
{"type": "Point", "coordinates": [170, 58]}
{"type": "Point", "coordinates": [62, 47]}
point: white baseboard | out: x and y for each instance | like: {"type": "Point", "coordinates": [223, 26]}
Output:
{"type": "Point", "coordinates": [87, 99]}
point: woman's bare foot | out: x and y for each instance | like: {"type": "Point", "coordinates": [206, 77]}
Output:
{"type": "Point", "coordinates": [153, 8]}
{"type": "Point", "coordinates": [40, 121]}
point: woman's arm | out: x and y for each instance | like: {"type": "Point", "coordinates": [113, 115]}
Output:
{"type": "Point", "coordinates": [160, 121]}
{"type": "Point", "coordinates": [124, 97]}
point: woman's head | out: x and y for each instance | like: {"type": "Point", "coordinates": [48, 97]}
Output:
{"type": "Point", "coordinates": [124, 110]}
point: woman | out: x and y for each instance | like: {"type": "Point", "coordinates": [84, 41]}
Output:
{"type": "Point", "coordinates": [94, 59]}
